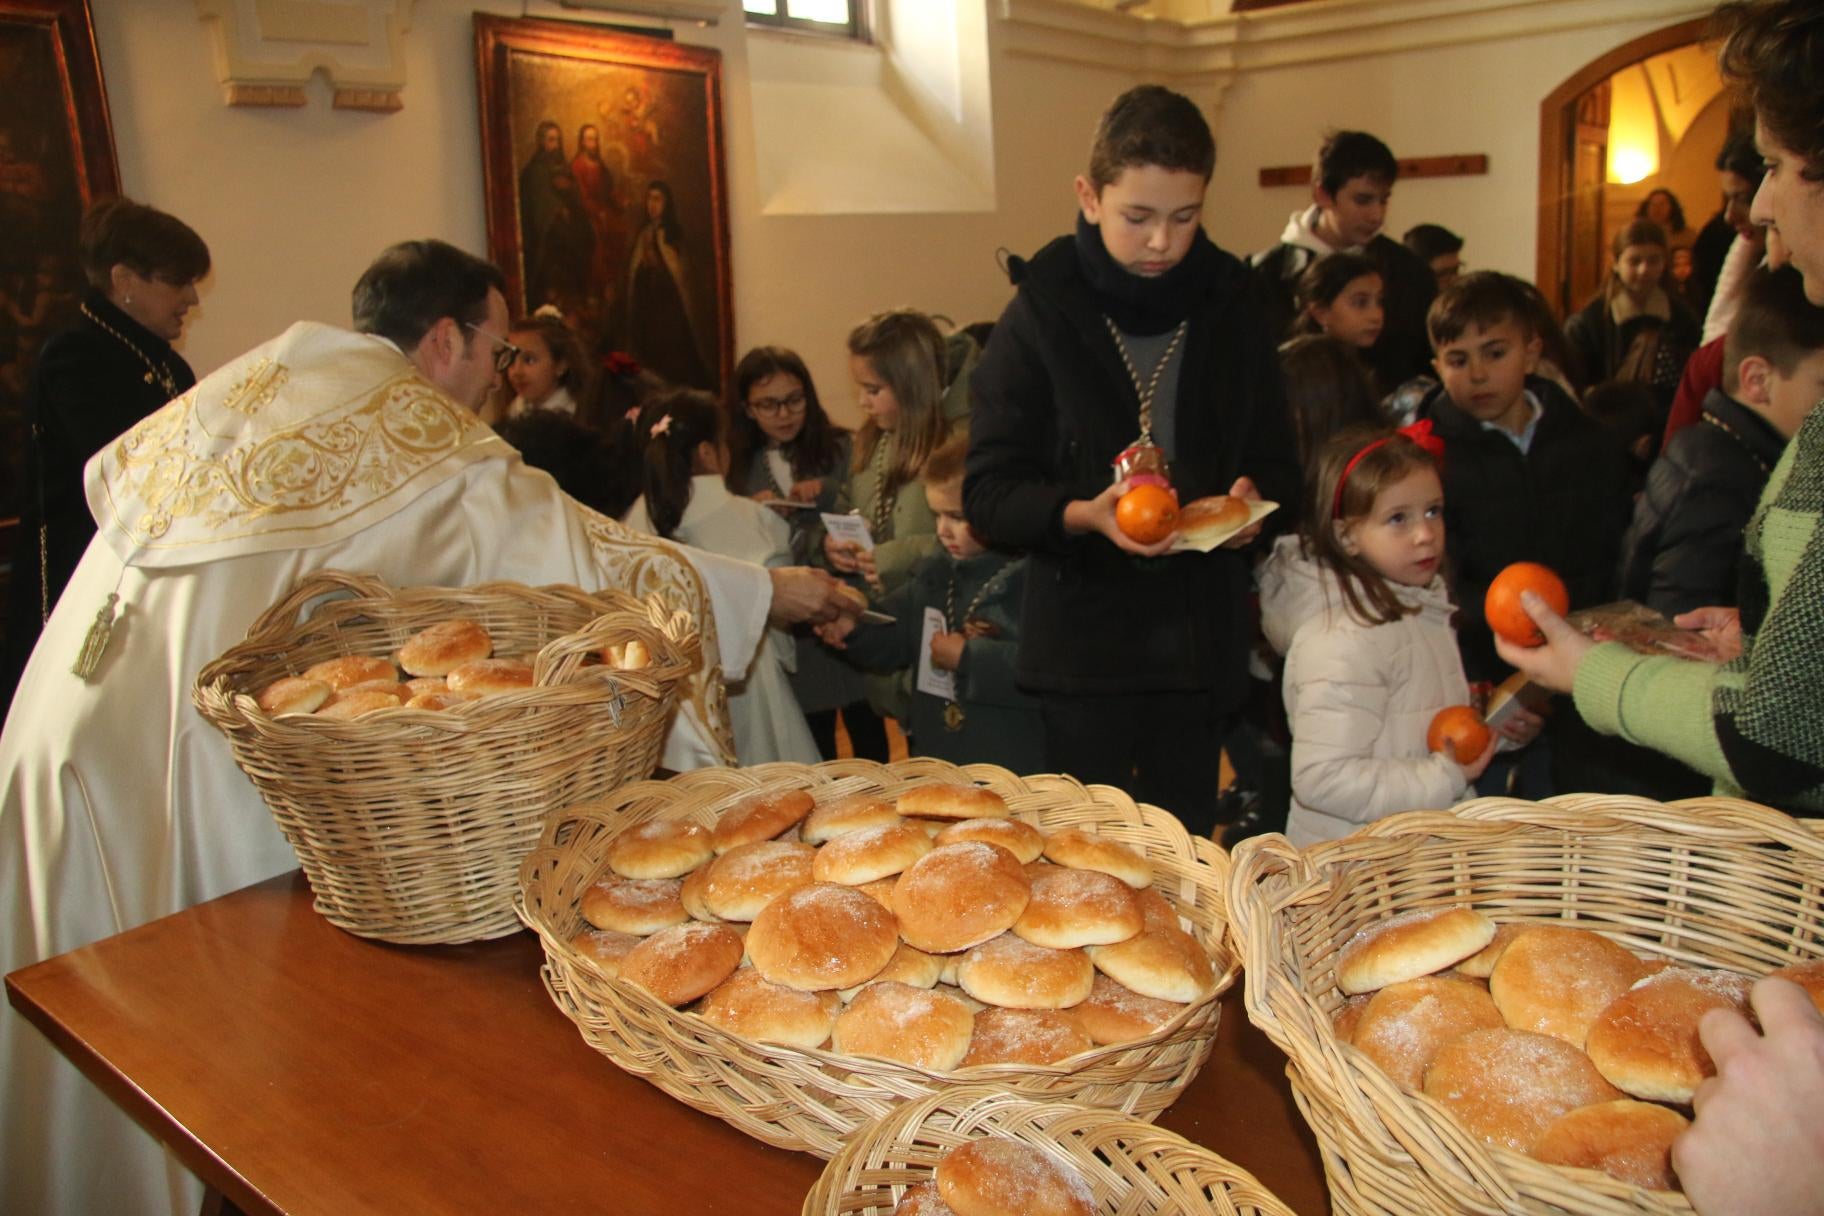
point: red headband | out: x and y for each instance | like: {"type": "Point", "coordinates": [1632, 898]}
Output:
{"type": "Point", "coordinates": [1419, 432]}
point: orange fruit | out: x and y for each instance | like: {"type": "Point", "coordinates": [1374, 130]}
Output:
{"type": "Point", "coordinates": [1460, 729]}
{"type": "Point", "coordinates": [1147, 513]}
{"type": "Point", "coordinates": [1502, 605]}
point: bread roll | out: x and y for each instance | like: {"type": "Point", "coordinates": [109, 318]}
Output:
{"type": "Point", "coordinates": [1405, 1024]}
{"type": "Point", "coordinates": [1115, 1014]}
{"type": "Point", "coordinates": [894, 1021]}
{"type": "Point", "coordinates": [603, 949]}
{"type": "Point", "coordinates": [907, 966]}
{"type": "Point", "coordinates": [952, 800]}
{"type": "Point", "coordinates": [445, 646]}
{"type": "Point", "coordinates": [350, 670]}
{"type": "Point", "coordinates": [750, 1005]}
{"type": "Point", "coordinates": [1071, 908]}
{"type": "Point", "coordinates": [1508, 1086]}
{"type": "Point", "coordinates": [1481, 964]}
{"type": "Point", "coordinates": [880, 890]}
{"type": "Point", "coordinates": [1645, 1040]}
{"type": "Point", "coordinates": [1348, 1016]}
{"type": "Point", "coordinates": [742, 881]}
{"type": "Point", "coordinates": [631, 655]}
{"type": "Point", "coordinates": [293, 695]}
{"type": "Point", "coordinates": [1016, 836]}
{"type": "Point", "coordinates": [996, 1176]}
{"type": "Point", "coordinates": [759, 817]}
{"type": "Point", "coordinates": [1165, 963]}
{"type": "Point", "coordinates": [1410, 945]}
{"type": "Point", "coordinates": [960, 895]}
{"type": "Point", "coordinates": [1157, 910]}
{"type": "Point", "coordinates": [417, 686]}
{"type": "Point", "coordinates": [489, 676]}
{"type": "Point", "coordinates": [660, 848]}
{"type": "Point", "coordinates": [870, 854]}
{"type": "Point", "coordinates": [1080, 850]}
{"type": "Point", "coordinates": [1809, 976]}
{"type": "Point", "coordinates": [356, 703]}
{"type": "Point", "coordinates": [693, 894]}
{"type": "Point", "coordinates": [680, 964]}
{"type": "Point", "coordinates": [1625, 1139]}
{"type": "Point", "coordinates": [922, 1199]}
{"type": "Point", "coordinates": [1554, 980]}
{"type": "Point", "coordinates": [1035, 1037]}
{"type": "Point", "coordinates": [1206, 519]}
{"type": "Point", "coordinates": [828, 820]}
{"type": "Point", "coordinates": [1014, 973]}
{"type": "Point", "coordinates": [634, 905]}
{"type": "Point", "coordinates": [822, 937]}
{"type": "Point", "coordinates": [438, 701]}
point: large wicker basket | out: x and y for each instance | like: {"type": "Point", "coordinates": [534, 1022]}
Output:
{"type": "Point", "coordinates": [1709, 882]}
{"type": "Point", "coordinates": [812, 1101]}
{"type": "Point", "coordinates": [1132, 1168]}
{"type": "Point", "coordinates": [411, 823]}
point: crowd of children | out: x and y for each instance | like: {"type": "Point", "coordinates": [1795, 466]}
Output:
{"type": "Point", "coordinates": [1015, 622]}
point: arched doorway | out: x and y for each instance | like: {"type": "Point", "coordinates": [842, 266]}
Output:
{"type": "Point", "coordinates": [1574, 122]}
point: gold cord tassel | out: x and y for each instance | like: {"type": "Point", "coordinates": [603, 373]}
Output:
{"type": "Point", "coordinates": [95, 642]}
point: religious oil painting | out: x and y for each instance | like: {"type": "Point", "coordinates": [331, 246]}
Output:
{"type": "Point", "coordinates": [56, 157]}
{"type": "Point", "coordinates": [602, 157]}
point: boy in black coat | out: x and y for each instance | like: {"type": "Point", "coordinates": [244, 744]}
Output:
{"type": "Point", "coordinates": [1138, 656]}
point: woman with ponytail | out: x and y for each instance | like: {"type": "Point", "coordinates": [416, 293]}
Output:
{"type": "Point", "coordinates": [683, 497]}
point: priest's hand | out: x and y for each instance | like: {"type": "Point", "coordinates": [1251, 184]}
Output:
{"type": "Point", "coordinates": [802, 595]}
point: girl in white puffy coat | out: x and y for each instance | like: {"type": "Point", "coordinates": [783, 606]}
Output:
{"type": "Point", "coordinates": [1360, 608]}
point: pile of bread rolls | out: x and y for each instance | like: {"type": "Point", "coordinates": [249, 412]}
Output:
{"type": "Point", "coordinates": [446, 664]}
{"type": "Point", "coordinates": [999, 1176]}
{"type": "Point", "coordinates": [930, 929]}
{"type": "Point", "coordinates": [1546, 1039]}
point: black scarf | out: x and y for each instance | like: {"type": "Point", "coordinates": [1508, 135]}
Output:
{"type": "Point", "coordinates": [1136, 303]}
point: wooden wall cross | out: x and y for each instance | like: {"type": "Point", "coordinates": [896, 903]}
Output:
{"type": "Point", "coordinates": [1469, 164]}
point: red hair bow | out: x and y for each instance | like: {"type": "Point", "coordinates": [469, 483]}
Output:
{"type": "Point", "coordinates": [1419, 432]}
{"type": "Point", "coordinates": [620, 363]}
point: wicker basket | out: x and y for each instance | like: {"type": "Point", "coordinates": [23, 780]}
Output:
{"type": "Point", "coordinates": [1133, 1168]}
{"type": "Point", "coordinates": [411, 823]}
{"type": "Point", "coordinates": [1709, 882]}
{"type": "Point", "coordinates": [813, 1101]}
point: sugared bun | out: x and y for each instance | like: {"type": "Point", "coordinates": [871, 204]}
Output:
{"type": "Point", "coordinates": [419, 685]}
{"type": "Point", "coordinates": [634, 905]}
{"type": "Point", "coordinates": [680, 964]}
{"type": "Point", "coordinates": [1080, 850]}
{"type": "Point", "coordinates": [1157, 910]}
{"type": "Point", "coordinates": [1217, 515]}
{"type": "Point", "coordinates": [1646, 1041]}
{"type": "Point", "coordinates": [907, 966]}
{"type": "Point", "coordinates": [892, 1021]}
{"type": "Point", "coordinates": [1026, 1036]}
{"type": "Point", "coordinates": [759, 817]}
{"type": "Point", "coordinates": [350, 670]}
{"type": "Point", "coordinates": [745, 879]}
{"type": "Point", "coordinates": [347, 706]}
{"type": "Point", "coordinates": [922, 1199]}
{"type": "Point", "coordinates": [952, 800]}
{"type": "Point", "coordinates": [1348, 1016]}
{"type": "Point", "coordinates": [832, 819]}
{"type": "Point", "coordinates": [1016, 974]}
{"type": "Point", "coordinates": [1554, 979]}
{"type": "Point", "coordinates": [491, 676]}
{"type": "Point", "coordinates": [750, 1005]}
{"type": "Point", "coordinates": [1072, 908]}
{"type": "Point", "coordinates": [996, 1176]}
{"type": "Point", "coordinates": [1625, 1139]}
{"type": "Point", "coordinates": [822, 937]}
{"type": "Point", "coordinates": [694, 894]}
{"type": "Point", "coordinates": [1164, 963]}
{"type": "Point", "coordinates": [870, 854]}
{"type": "Point", "coordinates": [1116, 1014]}
{"type": "Point", "coordinates": [293, 695]}
{"type": "Point", "coordinates": [439, 700]}
{"type": "Point", "coordinates": [445, 646]}
{"type": "Point", "coordinates": [660, 848]}
{"type": "Point", "coordinates": [1508, 1086]}
{"type": "Point", "coordinates": [880, 890]}
{"type": "Point", "coordinates": [1410, 945]}
{"type": "Point", "coordinates": [1481, 964]}
{"type": "Point", "coordinates": [1809, 976]}
{"type": "Point", "coordinates": [603, 949]}
{"type": "Point", "coordinates": [1405, 1024]}
{"type": "Point", "coordinates": [1019, 838]}
{"type": "Point", "coordinates": [960, 895]}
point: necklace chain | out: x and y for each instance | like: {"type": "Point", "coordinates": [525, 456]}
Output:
{"type": "Point", "coordinates": [953, 713]}
{"type": "Point", "coordinates": [880, 521]}
{"type": "Point", "coordinates": [1736, 435]}
{"type": "Point", "coordinates": [156, 373]}
{"type": "Point", "coordinates": [1146, 391]}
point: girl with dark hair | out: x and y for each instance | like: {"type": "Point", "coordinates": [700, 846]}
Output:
{"type": "Point", "coordinates": [683, 464]}
{"type": "Point", "coordinates": [1327, 388]}
{"type": "Point", "coordinates": [1663, 208]}
{"type": "Point", "coordinates": [1340, 295]}
{"type": "Point", "coordinates": [784, 449]}
{"type": "Point", "coordinates": [660, 332]}
{"type": "Point", "coordinates": [549, 371]}
{"type": "Point", "coordinates": [1636, 309]}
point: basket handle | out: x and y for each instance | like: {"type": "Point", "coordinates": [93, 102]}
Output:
{"type": "Point", "coordinates": [1255, 925]}
{"type": "Point", "coordinates": [282, 615]}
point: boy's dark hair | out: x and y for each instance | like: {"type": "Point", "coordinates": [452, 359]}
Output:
{"type": "Point", "coordinates": [576, 457]}
{"type": "Point", "coordinates": [1483, 298]}
{"type": "Point", "coordinates": [1327, 389]}
{"type": "Point", "coordinates": [1347, 155]}
{"type": "Point", "coordinates": [1432, 241]}
{"type": "Point", "coordinates": [415, 284]}
{"type": "Point", "coordinates": [1627, 409]}
{"type": "Point", "coordinates": [947, 460]}
{"type": "Point", "coordinates": [1638, 232]}
{"type": "Point", "coordinates": [1774, 53]}
{"type": "Point", "coordinates": [1740, 157]}
{"type": "Point", "coordinates": [1325, 279]}
{"type": "Point", "coordinates": [812, 453]}
{"type": "Point", "coordinates": [683, 418]}
{"type": "Point", "coordinates": [1775, 321]}
{"type": "Point", "coordinates": [147, 241]}
{"type": "Point", "coordinates": [1151, 125]}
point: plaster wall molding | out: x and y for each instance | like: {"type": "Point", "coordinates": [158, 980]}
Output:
{"type": "Point", "coordinates": [266, 51]}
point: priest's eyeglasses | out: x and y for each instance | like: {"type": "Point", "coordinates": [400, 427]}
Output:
{"type": "Point", "coordinates": [504, 351]}
{"type": "Point", "coordinates": [772, 407]}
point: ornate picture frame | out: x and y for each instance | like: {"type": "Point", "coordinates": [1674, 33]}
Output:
{"type": "Point", "coordinates": [602, 161]}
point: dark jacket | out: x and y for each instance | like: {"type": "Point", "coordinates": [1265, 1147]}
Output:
{"type": "Point", "coordinates": [1600, 344]}
{"type": "Point", "coordinates": [1053, 406]}
{"type": "Point", "coordinates": [1563, 503]}
{"type": "Point", "coordinates": [1404, 348]}
{"type": "Point", "coordinates": [1682, 550]}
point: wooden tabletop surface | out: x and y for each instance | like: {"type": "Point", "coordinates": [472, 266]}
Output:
{"type": "Point", "coordinates": [299, 1069]}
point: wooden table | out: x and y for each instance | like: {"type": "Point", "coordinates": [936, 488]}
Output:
{"type": "Point", "coordinates": [296, 1068]}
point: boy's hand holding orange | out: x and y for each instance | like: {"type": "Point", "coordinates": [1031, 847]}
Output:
{"type": "Point", "coordinates": [1147, 513]}
{"type": "Point", "coordinates": [1097, 515]}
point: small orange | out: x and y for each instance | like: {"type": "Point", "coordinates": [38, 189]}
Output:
{"type": "Point", "coordinates": [1147, 513]}
{"type": "Point", "coordinates": [1502, 605]}
{"type": "Point", "coordinates": [1459, 729]}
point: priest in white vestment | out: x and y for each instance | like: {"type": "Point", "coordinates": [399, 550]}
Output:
{"type": "Point", "coordinates": [320, 449]}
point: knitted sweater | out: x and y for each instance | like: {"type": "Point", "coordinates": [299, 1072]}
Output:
{"type": "Point", "coordinates": [1756, 724]}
